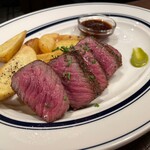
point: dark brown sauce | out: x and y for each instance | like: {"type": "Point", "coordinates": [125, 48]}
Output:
{"type": "Point", "coordinates": [97, 24]}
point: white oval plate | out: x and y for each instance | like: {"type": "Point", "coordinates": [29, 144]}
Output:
{"type": "Point", "coordinates": [123, 112]}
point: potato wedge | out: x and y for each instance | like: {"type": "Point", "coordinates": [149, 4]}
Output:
{"type": "Point", "coordinates": [69, 37]}
{"type": "Point", "coordinates": [10, 47]}
{"type": "Point", "coordinates": [53, 35]}
{"type": "Point", "coordinates": [24, 56]}
{"type": "Point", "coordinates": [47, 42]}
{"type": "Point", "coordinates": [66, 43]}
{"type": "Point", "coordinates": [34, 43]}
{"type": "Point", "coordinates": [49, 56]}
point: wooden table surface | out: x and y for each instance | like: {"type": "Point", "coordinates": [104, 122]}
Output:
{"type": "Point", "coordinates": [141, 3]}
{"type": "Point", "coordinates": [142, 143]}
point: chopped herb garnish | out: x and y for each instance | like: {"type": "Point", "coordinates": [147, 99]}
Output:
{"type": "Point", "coordinates": [57, 48]}
{"type": "Point", "coordinates": [65, 98]}
{"type": "Point", "coordinates": [93, 61]}
{"type": "Point", "coordinates": [69, 62]}
{"type": "Point", "coordinates": [67, 75]}
{"type": "Point", "coordinates": [65, 49]}
{"type": "Point", "coordinates": [96, 105]}
{"type": "Point", "coordinates": [91, 77]}
{"type": "Point", "coordinates": [86, 47]}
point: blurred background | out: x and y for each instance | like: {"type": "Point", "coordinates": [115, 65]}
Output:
{"type": "Point", "coordinates": [14, 8]}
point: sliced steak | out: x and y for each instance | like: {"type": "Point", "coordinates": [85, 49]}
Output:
{"type": "Point", "coordinates": [104, 57]}
{"type": "Point", "coordinates": [114, 52]}
{"type": "Point", "coordinates": [78, 87]}
{"type": "Point", "coordinates": [41, 89]}
{"type": "Point", "coordinates": [91, 65]}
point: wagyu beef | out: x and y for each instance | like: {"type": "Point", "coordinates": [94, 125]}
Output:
{"type": "Point", "coordinates": [77, 85]}
{"type": "Point", "coordinates": [73, 79]}
{"type": "Point", "coordinates": [114, 52]}
{"type": "Point", "coordinates": [106, 59]}
{"type": "Point", "coordinates": [41, 89]}
{"type": "Point", "coordinates": [88, 62]}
